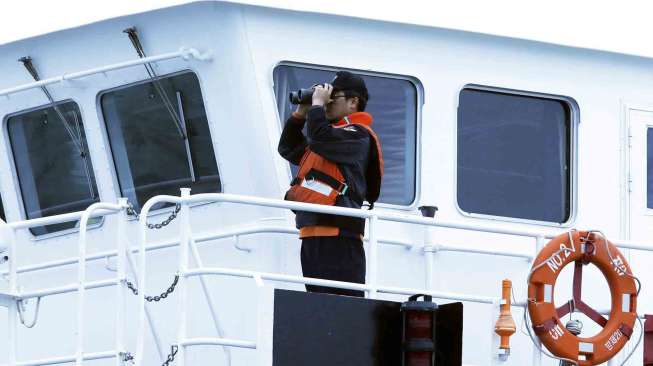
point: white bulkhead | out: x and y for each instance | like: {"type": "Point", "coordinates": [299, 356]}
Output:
{"type": "Point", "coordinates": [606, 98]}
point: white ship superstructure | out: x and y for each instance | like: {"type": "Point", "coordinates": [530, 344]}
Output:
{"type": "Point", "coordinates": [513, 141]}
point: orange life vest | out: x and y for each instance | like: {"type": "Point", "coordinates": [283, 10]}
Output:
{"type": "Point", "coordinates": [320, 180]}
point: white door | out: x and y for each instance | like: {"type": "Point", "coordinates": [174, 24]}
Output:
{"type": "Point", "coordinates": [640, 185]}
{"type": "Point", "coordinates": [639, 209]}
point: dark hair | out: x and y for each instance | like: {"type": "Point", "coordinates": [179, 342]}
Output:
{"type": "Point", "coordinates": [362, 102]}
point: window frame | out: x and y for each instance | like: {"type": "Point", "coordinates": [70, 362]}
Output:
{"type": "Point", "coordinates": [10, 155]}
{"type": "Point", "coordinates": [648, 211]}
{"type": "Point", "coordinates": [3, 209]}
{"type": "Point", "coordinates": [109, 151]}
{"type": "Point", "coordinates": [574, 112]}
{"type": "Point", "coordinates": [419, 101]}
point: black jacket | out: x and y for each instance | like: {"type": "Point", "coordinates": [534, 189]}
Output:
{"type": "Point", "coordinates": [348, 147]}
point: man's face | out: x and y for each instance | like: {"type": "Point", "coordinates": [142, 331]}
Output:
{"type": "Point", "coordinates": [340, 106]}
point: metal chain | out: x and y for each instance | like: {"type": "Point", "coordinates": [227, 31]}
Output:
{"type": "Point", "coordinates": [128, 357]}
{"type": "Point", "coordinates": [157, 298]}
{"type": "Point", "coordinates": [171, 356]}
{"type": "Point", "coordinates": [132, 212]}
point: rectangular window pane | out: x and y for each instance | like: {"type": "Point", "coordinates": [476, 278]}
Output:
{"type": "Point", "coordinates": [649, 167]}
{"type": "Point", "coordinates": [393, 105]}
{"type": "Point", "coordinates": [514, 156]}
{"type": "Point", "coordinates": [52, 162]}
{"type": "Point", "coordinates": [146, 124]}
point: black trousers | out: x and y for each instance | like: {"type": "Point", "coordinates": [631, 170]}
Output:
{"type": "Point", "coordinates": [334, 258]}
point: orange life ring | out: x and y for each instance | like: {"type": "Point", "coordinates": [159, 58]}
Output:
{"type": "Point", "coordinates": [583, 248]}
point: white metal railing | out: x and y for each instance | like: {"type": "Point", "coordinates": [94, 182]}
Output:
{"type": "Point", "coordinates": [250, 229]}
{"type": "Point", "coordinates": [184, 52]}
{"type": "Point", "coordinates": [96, 209]}
{"type": "Point", "coordinates": [371, 287]}
{"type": "Point", "coordinates": [187, 245]}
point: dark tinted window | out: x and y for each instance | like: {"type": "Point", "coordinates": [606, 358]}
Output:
{"type": "Point", "coordinates": [54, 169]}
{"type": "Point", "coordinates": [2, 212]}
{"type": "Point", "coordinates": [649, 168]}
{"type": "Point", "coordinates": [514, 156]}
{"type": "Point", "coordinates": [393, 104]}
{"type": "Point", "coordinates": [146, 124]}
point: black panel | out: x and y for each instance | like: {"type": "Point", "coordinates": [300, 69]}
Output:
{"type": "Point", "coordinates": [449, 334]}
{"type": "Point", "coordinates": [327, 330]}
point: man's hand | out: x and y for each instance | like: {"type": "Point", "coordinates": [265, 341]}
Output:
{"type": "Point", "coordinates": [322, 94]}
{"type": "Point", "coordinates": [302, 110]}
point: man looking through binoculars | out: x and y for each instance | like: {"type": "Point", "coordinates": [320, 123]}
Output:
{"type": "Point", "coordinates": [340, 164]}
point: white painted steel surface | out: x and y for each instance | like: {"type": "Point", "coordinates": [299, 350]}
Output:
{"type": "Point", "coordinates": [253, 235]}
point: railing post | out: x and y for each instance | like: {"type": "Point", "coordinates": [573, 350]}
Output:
{"type": "Point", "coordinates": [429, 247]}
{"type": "Point", "coordinates": [537, 353]}
{"type": "Point", "coordinates": [209, 299]}
{"type": "Point", "coordinates": [121, 280]}
{"type": "Point", "coordinates": [140, 332]}
{"type": "Point", "coordinates": [184, 244]}
{"type": "Point", "coordinates": [81, 283]}
{"type": "Point", "coordinates": [429, 256]}
{"type": "Point", "coordinates": [373, 264]}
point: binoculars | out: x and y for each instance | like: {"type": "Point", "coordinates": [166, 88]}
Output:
{"type": "Point", "coordinates": [301, 96]}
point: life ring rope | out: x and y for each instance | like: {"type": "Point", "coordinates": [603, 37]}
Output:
{"type": "Point", "coordinates": [612, 260]}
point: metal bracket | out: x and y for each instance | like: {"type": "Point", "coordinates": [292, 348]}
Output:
{"type": "Point", "coordinates": [431, 248]}
{"type": "Point", "coordinates": [7, 299]}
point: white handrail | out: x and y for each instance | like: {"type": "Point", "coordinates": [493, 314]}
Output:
{"type": "Point", "coordinates": [371, 287]}
{"type": "Point", "coordinates": [199, 239]}
{"type": "Point", "coordinates": [68, 359]}
{"type": "Point", "coordinates": [66, 289]}
{"type": "Point", "coordinates": [249, 230]}
{"type": "Point", "coordinates": [56, 219]}
{"type": "Point", "coordinates": [184, 52]}
{"type": "Point", "coordinates": [382, 215]}
{"type": "Point", "coordinates": [337, 284]}
{"type": "Point", "coordinates": [81, 274]}
{"type": "Point", "coordinates": [216, 342]}
{"type": "Point", "coordinates": [502, 253]}
{"type": "Point", "coordinates": [182, 287]}
{"type": "Point", "coordinates": [406, 218]}
{"type": "Point", "coordinates": [121, 279]}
